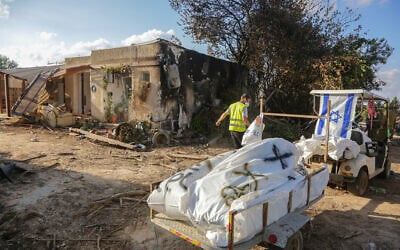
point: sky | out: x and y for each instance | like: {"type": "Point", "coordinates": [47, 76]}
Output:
{"type": "Point", "coordinates": [42, 32]}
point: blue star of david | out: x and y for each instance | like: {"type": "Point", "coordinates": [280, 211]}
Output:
{"type": "Point", "coordinates": [335, 116]}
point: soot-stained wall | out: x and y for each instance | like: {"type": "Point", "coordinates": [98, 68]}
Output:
{"type": "Point", "coordinates": [197, 83]}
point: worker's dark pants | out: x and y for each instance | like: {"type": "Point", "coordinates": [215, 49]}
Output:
{"type": "Point", "coordinates": [237, 138]}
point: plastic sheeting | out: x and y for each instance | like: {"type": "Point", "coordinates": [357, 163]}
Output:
{"type": "Point", "coordinates": [254, 131]}
{"type": "Point", "coordinates": [248, 222]}
{"type": "Point", "coordinates": [260, 172]}
{"type": "Point", "coordinates": [338, 148]}
{"type": "Point", "coordinates": [167, 198]}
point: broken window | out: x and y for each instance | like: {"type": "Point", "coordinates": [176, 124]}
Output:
{"type": "Point", "coordinates": [127, 83]}
{"type": "Point", "coordinates": [110, 76]}
{"type": "Point", "coordinates": [145, 76]}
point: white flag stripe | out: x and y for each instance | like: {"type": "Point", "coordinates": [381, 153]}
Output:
{"type": "Point", "coordinates": [341, 115]}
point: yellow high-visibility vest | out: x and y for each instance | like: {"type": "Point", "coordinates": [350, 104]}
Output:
{"type": "Point", "coordinates": [236, 122]}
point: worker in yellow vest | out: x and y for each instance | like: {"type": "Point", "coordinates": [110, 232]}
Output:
{"type": "Point", "coordinates": [238, 119]}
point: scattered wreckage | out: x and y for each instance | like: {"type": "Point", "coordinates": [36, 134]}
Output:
{"type": "Point", "coordinates": [32, 106]}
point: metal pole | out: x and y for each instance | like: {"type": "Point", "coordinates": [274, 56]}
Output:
{"type": "Point", "coordinates": [388, 132]}
{"type": "Point", "coordinates": [328, 116]}
{"type": "Point", "coordinates": [295, 115]}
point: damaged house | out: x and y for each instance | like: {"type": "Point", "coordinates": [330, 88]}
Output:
{"type": "Point", "coordinates": [157, 81]}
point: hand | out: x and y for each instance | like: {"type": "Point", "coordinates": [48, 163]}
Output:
{"type": "Point", "coordinates": [218, 123]}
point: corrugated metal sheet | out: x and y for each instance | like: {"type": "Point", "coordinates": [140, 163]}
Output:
{"type": "Point", "coordinates": [29, 74]}
{"type": "Point", "coordinates": [34, 94]}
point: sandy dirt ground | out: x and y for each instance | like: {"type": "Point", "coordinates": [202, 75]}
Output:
{"type": "Point", "coordinates": [72, 193]}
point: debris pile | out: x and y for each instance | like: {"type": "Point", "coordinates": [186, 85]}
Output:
{"type": "Point", "coordinates": [56, 116]}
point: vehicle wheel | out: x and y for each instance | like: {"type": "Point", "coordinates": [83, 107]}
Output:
{"type": "Point", "coordinates": [160, 138]}
{"type": "Point", "coordinates": [295, 242]}
{"type": "Point", "coordinates": [360, 186]}
{"type": "Point", "coordinates": [386, 172]}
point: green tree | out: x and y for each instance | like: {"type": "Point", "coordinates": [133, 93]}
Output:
{"type": "Point", "coordinates": [221, 23]}
{"type": "Point", "coordinates": [6, 63]}
{"type": "Point", "coordinates": [394, 104]}
{"type": "Point", "coordinates": [353, 63]}
{"type": "Point", "coordinates": [295, 45]}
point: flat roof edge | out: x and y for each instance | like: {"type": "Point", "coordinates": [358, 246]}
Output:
{"type": "Point", "coordinates": [359, 92]}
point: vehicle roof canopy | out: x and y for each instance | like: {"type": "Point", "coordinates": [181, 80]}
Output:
{"type": "Point", "coordinates": [361, 93]}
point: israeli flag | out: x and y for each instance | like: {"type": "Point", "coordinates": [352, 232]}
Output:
{"type": "Point", "coordinates": [341, 115]}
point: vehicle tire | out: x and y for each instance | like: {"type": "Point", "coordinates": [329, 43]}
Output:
{"type": "Point", "coordinates": [360, 186]}
{"type": "Point", "coordinates": [386, 171]}
{"type": "Point", "coordinates": [160, 138]}
{"type": "Point", "coordinates": [295, 242]}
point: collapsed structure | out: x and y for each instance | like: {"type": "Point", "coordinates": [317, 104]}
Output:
{"type": "Point", "coordinates": [15, 85]}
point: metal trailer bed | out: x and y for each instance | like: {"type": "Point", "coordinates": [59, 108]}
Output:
{"type": "Point", "coordinates": [278, 233]}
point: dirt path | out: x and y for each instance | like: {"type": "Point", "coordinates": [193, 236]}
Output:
{"type": "Point", "coordinates": [81, 195]}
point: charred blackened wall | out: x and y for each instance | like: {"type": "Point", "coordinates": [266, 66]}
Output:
{"type": "Point", "coordinates": [198, 83]}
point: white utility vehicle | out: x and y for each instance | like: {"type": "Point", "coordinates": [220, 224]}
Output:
{"type": "Point", "coordinates": [370, 129]}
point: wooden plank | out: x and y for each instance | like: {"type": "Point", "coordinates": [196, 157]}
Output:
{"type": "Point", "coordinates": [103, 139]}
{"type": "Point", "coordinates": [231, 229]}
{"type": "Point", "coordinates": [265, 217]}
{"type": "Point", "coordinates": [295, 115]}
{"type": "Point", "coordinates": [1, 94]}
{"type": "Point", "coordinates": [190, 157]}
{"type": "Point", "coordinates": [7, 93]}
{"type": "Point", "coordinates": [290, 201]}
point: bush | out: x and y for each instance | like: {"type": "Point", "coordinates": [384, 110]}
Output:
{"type": "Point", "coordinates": [281, 129]}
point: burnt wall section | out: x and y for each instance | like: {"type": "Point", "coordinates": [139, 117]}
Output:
{"type": "Point", "coordinates": [175, 87]}
{"type": "Point", "coordinates": [201, 86]}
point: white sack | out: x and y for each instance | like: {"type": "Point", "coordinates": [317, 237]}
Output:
{"type": "Point", "coordinates": [167, 198]}
{"type": "Point", "coordinates": [338, 148]}
{"type": "Point", "coordinates": [248, 222]}
{"type": "Point", "coordinates": [265, 166]}
{"type": "Point", "coordinates": [260, 172]}
{"type": "Point", "coordinates": [343, 148]}
{"type": "Point", "coordinates": [254, 131]}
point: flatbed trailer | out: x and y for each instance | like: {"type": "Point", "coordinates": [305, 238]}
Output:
{"type": "Point", "coordinates": [284, 233]}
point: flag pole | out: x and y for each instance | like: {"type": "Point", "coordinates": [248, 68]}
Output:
{"type": "Point", "coordinates": [327, 131]}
